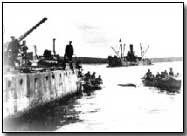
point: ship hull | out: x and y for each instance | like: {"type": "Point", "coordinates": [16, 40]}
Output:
{"type": "Point", "coordinates": [117, 62]}
{"type": "Point", "coordinates": [25, 91]}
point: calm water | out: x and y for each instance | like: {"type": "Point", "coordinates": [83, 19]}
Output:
{"type": "Point", "coordinates": [114, 108]}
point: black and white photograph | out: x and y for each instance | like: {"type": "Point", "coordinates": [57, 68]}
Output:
{"type": "Point", "coordinates": [92, 67]}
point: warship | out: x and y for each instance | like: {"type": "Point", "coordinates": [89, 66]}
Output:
{"type": "Point", "coordinates": [130, 60]}
{"type": "Point", "coordinates": [30, 80]}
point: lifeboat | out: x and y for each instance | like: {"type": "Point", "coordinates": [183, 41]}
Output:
{"type": "Point", "coordinates": [169, 83]}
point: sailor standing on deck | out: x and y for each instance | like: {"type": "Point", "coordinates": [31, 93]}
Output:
{"type": "Point", "coordinates": [24, 49]}
{"type": "Point", "coordinates": [13, 50]}
{"type": "Point", "coordinates": [69, 51]}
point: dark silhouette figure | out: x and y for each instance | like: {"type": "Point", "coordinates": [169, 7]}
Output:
{"type": "Point", "coordinates": [93, 75]}
{"type": "Point", "coordinates": [99, 80]}
{"type": "Point", "coordinates": [69, 51]}
{"type": "Point", "coordinates": [24, 54]}
{"type": "Point", "coordinates": [87, 75]}
{"type": "Point", "coordinates": [171, 72]}
{"type": "Point", "coordinates": [13, 50]}
{"type": "Point", "coordinates": [158, 75]}
{"type": "Point", "coordinates": [149, 75]}
{"type": "Point", "coordinates": [78, 65]}
{"type": "Point", "coordinates": [166, 73]}
{"type": "Point", "coordinates": [47, 54]}
{"type": "Point", "coordinates": [68, 55]}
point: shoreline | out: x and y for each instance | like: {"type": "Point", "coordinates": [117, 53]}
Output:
{"type": "Point", "coordinates": [94, 60]}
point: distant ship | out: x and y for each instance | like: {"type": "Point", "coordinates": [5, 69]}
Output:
{"type": "Point", "coordinates": [130, 59]}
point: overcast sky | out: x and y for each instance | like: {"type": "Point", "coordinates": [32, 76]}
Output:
{"type": "Point", "coordinates": [95, 27]}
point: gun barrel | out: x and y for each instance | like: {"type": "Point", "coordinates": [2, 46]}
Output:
{"type": "Point", "coordinates": [30, 30]}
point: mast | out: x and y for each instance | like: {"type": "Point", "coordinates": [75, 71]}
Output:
{"type": "Point", "coordinates": [121, 47]}
{"type": "Point", "coordinates": [124, 48]}
{"type": "Point", "coordinates": [146, 51]}
{"type": "Point", "coordinates": [141, 50]}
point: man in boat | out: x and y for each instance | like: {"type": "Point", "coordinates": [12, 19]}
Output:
{"type": "Point", "coordinates": [158, 76]}
{"type": "Point", "coordinates": [93, 75]}
{"type": "Point", "coordinates": [99, 80]}
{"type": "Point", "coordinates": [177, 75]}
{"type": "Point", "coordinates": [93, 81]}
{"type": "Point", "coordinates": [162, 75]}
{"type": "Point", "coordinates": [171, 72]}
{"type": "Point", "coordinates": [149, 75]}
{"type": "Point", "coordinates": [87, 75]}
{"type": "Point", "coordinates": [166, 74]}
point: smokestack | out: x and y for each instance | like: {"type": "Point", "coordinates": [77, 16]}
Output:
{"type": "Point", "coordinates": [54, 52]}
{"type": "Point", "coordinates": [131, 47]}
{"type": "Point", "coordinates": [35, 52]}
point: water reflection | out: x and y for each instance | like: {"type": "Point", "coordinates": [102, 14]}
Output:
{"type": "Point", "coordinates": [163, 91]}
{"type": "Point", "coordinates": [46, 118]}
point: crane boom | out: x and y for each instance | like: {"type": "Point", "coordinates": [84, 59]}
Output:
{"type": "Point", "coordinates": [117, 53]}
{"type": "Point", "coordinates": [145, 51]}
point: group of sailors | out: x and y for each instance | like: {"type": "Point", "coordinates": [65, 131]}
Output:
{"type": "Point", "coordinates": [91, 78]}
{"type": "Point", "coordinates": [15, 49]}
{"type": "Point", "coordinates": [161, 75]}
